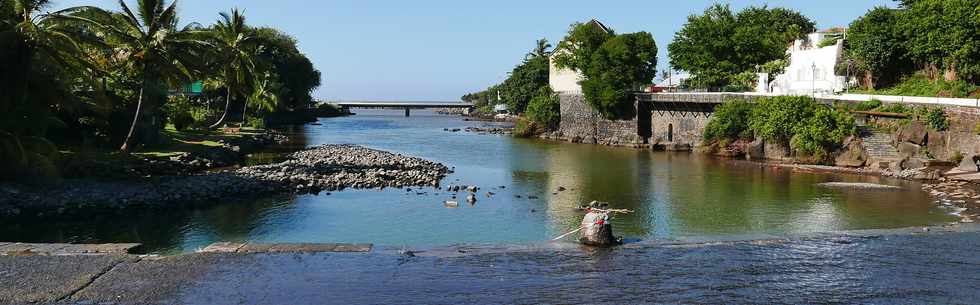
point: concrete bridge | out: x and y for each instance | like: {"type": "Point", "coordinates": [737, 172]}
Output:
{"type": "Point", "coordinates": [408, 106]}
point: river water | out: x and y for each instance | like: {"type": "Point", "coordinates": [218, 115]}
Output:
{"type": "Point", "coordinates": [675, 196]}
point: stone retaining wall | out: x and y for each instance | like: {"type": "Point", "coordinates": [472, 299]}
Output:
{"type": "Point", "coordinates": [582, 124]}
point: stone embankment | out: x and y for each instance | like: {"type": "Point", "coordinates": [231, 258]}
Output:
{"type": "Point", "coordinates": [322, 168]}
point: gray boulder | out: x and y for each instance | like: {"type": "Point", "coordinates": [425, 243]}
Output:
{"type": "Point", "coordinates": [915, 132]}
{"type": "Point", "coordinates": [908, 150]}
{"type": "Point", "coordinates": [755, 150]}
{"type": "Point", "coordinates": [913, 163]}
{"type": "Point", "coordinates": [969, 164]}
{"type": "Point", "coordinates": [853, 154]}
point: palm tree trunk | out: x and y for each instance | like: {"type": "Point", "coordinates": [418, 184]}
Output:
{"type": "Point", "coordinates": [223, 115]}
{"type": "Point", "coordinates": [244, 110]}
{"type": "Point", "coordinates": [126, 146]}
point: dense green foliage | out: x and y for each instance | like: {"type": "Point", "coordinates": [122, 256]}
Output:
{"type": "Point", "coordinates": [944, 34]}
{"type": "Point", "coordinates": [919, 84]}
{"type": "Point", "coordinates": [923, 41]}
{"type": "Point", "coordinates": [521, 85]}
{"type": "Point", "coordinates": [92, 77]}
{"type": "Point", "coordinates": [822, 132]}
{"type": "Point", "coordinates": [809, 128]}
{"type": "Point", "coordinates": [730, 121]}
{"type": "Point", "coordinates": [613, 66]}
{"type": "Point", "coordinates": [719, 46]}
{"type": "Point", "coordinates": [544, 108]}
{"type": "Point", "coordinates": [526, 129]}
{"type": "Point", "coordinates": [936, 118]}
{"type": "Point", "coordinates": [875, 48]}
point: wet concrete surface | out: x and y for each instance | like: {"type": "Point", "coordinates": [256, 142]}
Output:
{"type": "Point", "coordinates": [925, 268]}
{"type": "Point", "coordinates": [48, 279]}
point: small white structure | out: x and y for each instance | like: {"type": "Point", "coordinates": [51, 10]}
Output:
{"type": "Point", "coordinates": [566, 80]}
{"type": "Point", "coordinates": [811, 69]}
{"type": "Point", "coordinates": [501, 108]}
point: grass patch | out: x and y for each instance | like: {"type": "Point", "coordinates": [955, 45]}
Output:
{"type": "Point", "coordinates": [919, 85]}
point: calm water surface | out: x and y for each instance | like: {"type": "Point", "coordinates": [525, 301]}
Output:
{"type": "Point", "coordinates": [675, 196]}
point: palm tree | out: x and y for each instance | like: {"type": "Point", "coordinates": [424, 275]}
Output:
{"type": "Point", "coordinates": [541, 48]}
{"type": "Point", "coordinates": [37, 52]}
{"type": "Point", "coordinates": [234, 44]}
{"type": "Point", "coordinates": [153, 45]}
{"type": "Point", "coordinates": [264, 93]}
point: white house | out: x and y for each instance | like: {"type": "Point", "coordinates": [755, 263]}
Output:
{"type": "Point", "coordinates": [811, 68]}
{"type": "Point", "coordinates": [566, 80]}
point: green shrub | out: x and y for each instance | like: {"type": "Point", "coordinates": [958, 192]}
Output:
{"type": "Point", "coordinates": [777, 118]}
{"type": "Point", "coordinates": [822, 132]}
{"type": "Point", "coordinates": [730, 121]}
{"type": "Point", "coordinates": [894, 108]}
{"type": "Point", "coordinates": [545, 108]}
{"type": "Point", "coordinates": [808, 127]}
{"type": "Point", "coordinates": [256, 122]}
{"type": "Point", "coordinates": [920, 85]}
{"type": "Point", "coordinates": [182, 120]}
{"type": "Point", "coordinates": [867, 105]}
{"type": "Point", "coordinates": [936, 118]}
{"type": "Point", "coordinates": [957, 157]}
{"type": "Point", "coordinates": [526, 129]}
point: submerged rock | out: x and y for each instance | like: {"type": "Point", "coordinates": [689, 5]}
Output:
{"type": "Point", "coordinates": [858, 185]}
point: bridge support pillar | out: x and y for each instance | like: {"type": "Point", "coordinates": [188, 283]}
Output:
{"type": "Point", "coordinates": [408, 111]}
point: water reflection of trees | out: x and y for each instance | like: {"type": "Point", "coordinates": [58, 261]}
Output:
{"type": "Point", "coordinates": [700, 195]}
{"type": "Point", "coordinates": [159, 230]}
{"type": "Point", "coordinates": [617, 176]}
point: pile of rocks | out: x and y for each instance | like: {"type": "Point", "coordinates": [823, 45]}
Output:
{"type": "Point", "coordinates": [957, 195]}
{"type": "Point", "coordinates": [490, 130]}
{"type": "Point", "coordinates": [336, 167]}
{"type": "Point", "coordinates": [328, 167]}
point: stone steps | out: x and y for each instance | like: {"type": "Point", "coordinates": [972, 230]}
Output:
{"type": "Point", "coordinates": [879, 144]}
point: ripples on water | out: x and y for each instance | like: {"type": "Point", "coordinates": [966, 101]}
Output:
{"type": "Point", "coordinates": [675, 196]}
{"type": "Point", "coordinates": [890, 269]}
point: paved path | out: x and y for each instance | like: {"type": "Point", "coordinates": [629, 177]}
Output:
{"type": "Point", "coordinates": [918, 268]}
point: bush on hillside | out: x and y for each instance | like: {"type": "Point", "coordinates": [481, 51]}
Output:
{"type": "Point", "coordinates": [778, 118]}
{"type": "Point", "coordinates": [545, 109]}
{"type": "Point", "coordinates": [822, 132]}
{"type": "Point", "coordinates": [730, 121]}
{"type": "Point", "coordinates": [526, 129]}
{"type": "Point", "coordinates": [808, 127]}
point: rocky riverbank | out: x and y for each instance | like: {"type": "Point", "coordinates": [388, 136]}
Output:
{"type": "Point", "coordinates": [322, 168]}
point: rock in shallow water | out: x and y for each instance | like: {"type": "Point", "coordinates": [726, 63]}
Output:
{"type": "Point", "coordinates": [865, 186]}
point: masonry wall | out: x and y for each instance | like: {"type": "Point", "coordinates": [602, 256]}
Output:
{"type": "Point", "coordinates": [581, 124]}
{"type": "Point", "coordinates": [678, 130]}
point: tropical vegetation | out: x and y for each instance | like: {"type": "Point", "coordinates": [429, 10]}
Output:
{"type": "Point", "coordinates": [808, 127]}
{"type": "Point", "coordinates": [95, 78]}
{"type": "Point", "coordinates": [923, 48]}
{"type": "Point", "coordinates": [522, 83]}
{"type": "Point", "coordinates": [613, 66]}
{"type": "Point", "coordinates": [723, 50]}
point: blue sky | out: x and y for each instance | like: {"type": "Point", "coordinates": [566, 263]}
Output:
{"type": "Point", "coordinates": [441, 49]}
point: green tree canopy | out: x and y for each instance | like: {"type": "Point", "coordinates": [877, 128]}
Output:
{"type": "Point", "coordinates": [944, 34]}
{"type": "Point", "coordinates": [291, 68]}
{"type": "Point", "coordinates": [718, 45]}
{"type": "Point", "coordinates": [618, 68]}
{"type": "Point", "coordinates": [161, 53]}
{"type": "Point", "coordinates": [522, 84]}
{"type": "Point", "coordinates": [613, 66]}
{"type": "Point", "coordinates": [876, 47]}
